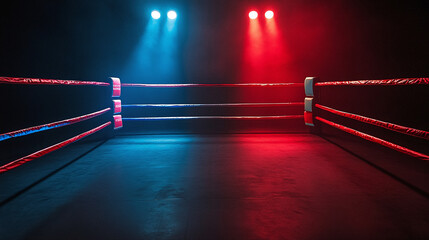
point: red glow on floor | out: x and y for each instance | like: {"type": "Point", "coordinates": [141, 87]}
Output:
{"type": "Point", "coordinates": [255, 157]}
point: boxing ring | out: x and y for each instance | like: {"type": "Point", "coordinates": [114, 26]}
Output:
{"type": "Point", "coordinates": [311, 86]}
{"type": "Point", "coordinates": [242, 160]}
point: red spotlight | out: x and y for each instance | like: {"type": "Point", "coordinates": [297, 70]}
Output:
{"type": "Point", "coordinates": [269, 14]}
{"type": "Point", "coordinates": [253, 15]}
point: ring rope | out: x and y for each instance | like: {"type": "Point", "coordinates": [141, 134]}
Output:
{"type": "Point", "coordinates": [392, 82]}
{"type": "Point", "coordinates": [376, 140]}
{"type": "Point", "coordinates": [215, 105]}
{"type": "Point", "coordinates": [50, 149]}
{"type": "Point", "coordinates": [48, 126]}
{"type": "Point", "coordinates": [214, 85]}
{"type": "Point", "coordinates": [216, 117]}
{"type": "Point", "coordinates": [40, 81]}
{"type": "Point", "coordinates": [394, 127]}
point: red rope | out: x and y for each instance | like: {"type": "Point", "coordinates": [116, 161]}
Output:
{"type": "Point", "coordinates": [39, 81]}
{"type": "Point", "coordinates": [215, 117]}
{"type": "Point", "coordinates": [44, 127]}
{"type": "Point", "coordinates": [181, 105]}
{"type": "Point", "coordinates": [394, 127]}
{"type": "Point", "coordinates": [394, 82]}
{"type": "Point", "coordinates": [376, 140]}
{"type": "Point", "coordinates": [47, 150]}
{"type": "Point", "coordinates": [214, 85]}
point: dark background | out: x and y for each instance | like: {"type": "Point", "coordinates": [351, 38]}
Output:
{"type": "Point", "coordinates": [333, 39]}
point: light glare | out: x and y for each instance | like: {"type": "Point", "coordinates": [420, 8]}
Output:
{"type": "Point", "coordinates": [269, 14]}
{"type": "Point", "coordinates": [156, 15]}
{"type": "Point", "coordinates": [172, 15]}
{"type": "Point", "coordinates": [253, 15]}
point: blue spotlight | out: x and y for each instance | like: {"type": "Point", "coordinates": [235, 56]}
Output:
{"type": "Point", "coordinates": [172, 15]}
{"type": "Point", "coordinates": [156, 15]}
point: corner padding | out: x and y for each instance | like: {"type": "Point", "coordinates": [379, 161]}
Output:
{"type": "Point", "coordinates": [118, 121]}
{"type": "Point", "coordinates": [308, 85]}
{"type": "Point", "coordinates": [116, 82]}
{"type": "Point", "coordinates": [308, 118]}
{"type": "Point", "coordinates": [117, 106]}
{"type": "Point", "coordinates": [308, 104]}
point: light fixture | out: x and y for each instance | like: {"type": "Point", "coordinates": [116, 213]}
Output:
{"type": "Point", "coordinates": [172, 15]}
{"type": "Point", "coordinates": [269, 14]}
{"type": "Point", "coordinates": [253, 15]}
{"type": "Point", "coordinates": [156, 14]}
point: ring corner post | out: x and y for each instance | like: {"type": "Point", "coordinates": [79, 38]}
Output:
{"type": "Point", "coordinates": [116, 87]}
{"type": "Point", "coordinates": [117, 104]}
{"type": "Point", "coordinates": [309, 102]}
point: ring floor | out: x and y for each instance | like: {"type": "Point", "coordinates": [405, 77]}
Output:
{"type": "Point", "coordinates": [244, 186]}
